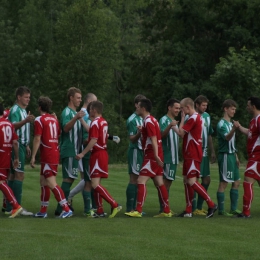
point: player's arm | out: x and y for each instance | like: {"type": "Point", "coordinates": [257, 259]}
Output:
{"type": "Point", "coordinates": [84, 124]}
{"type": "Point", "coordinates": [229, 136]}
{"type": "Point", "coordinates": [243, 130]}
{"type": "Point", "coordinates": [212, 150]}
{"type": "Point", "coordinates": [155, 150]}
{"type": "Point", "coordinates": [72, 122]}
{"type": "Point", "coordinates": [16, 154]}
{"type": "Point", "coordinates": [28, 119]}
{"type": "Point", "coordinates": [166, 131]}
{"type": "Point", "coordinates": [180, 131]}
{"type": "Point", "coordinates": [90, 145]}
{"type": "Point", "coordinates": [36, 145]}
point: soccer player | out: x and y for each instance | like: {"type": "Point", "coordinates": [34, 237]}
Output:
{"type": "Point", "coordinates": [8, 139]}
{"type": "Point", "coordinates": [252, 172]}
{"type": "Point", "coordinates": [98, 164]}
{"type": "Point", "coordinates": [170, 143]}
{"type": "Point", "coordinates": [135, 155]}
{"type": "Point", "coordinates": [191, 132]}
{"type": "Point", "coordinates": [201, 104]}
{"type": "Point", "coordinates": [46, 137]}
{"type": "Point", "coordinates": [21, 121]}
{"type": "Point", "coordinates": [152, 166]}
{"type": "Point", "coordinates": [84, 185]}
{"type": "Point", "coordinates": [227, 158]}
{"type": "Point", "coordinates": [71, 141]}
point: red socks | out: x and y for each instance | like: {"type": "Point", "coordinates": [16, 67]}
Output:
{"type": "Point", "coordinates": [106, 196]}
{"type": "Point", "coordinates": [248, 197]}
{"type": "Point", "coordinates": [9, 195]}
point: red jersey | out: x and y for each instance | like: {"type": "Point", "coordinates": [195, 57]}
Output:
{"type": "Point", "coordinates": [7, 136]}
{"type": "Point", "coordinates": [151, 128]}
{"type": "Point", "coordinates": [6, 113]}
{"type": "Point", "coordinates": [192, 140]}
{"type": "Point", "coordinates": [47, 126]}
{"type": "Point", "coordinates": [98, 130]}
{"type": "Point", "coordinates": [253, 140]}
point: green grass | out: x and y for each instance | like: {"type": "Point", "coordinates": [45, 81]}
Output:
{"type": "Point", "coordinates": [126, 238]}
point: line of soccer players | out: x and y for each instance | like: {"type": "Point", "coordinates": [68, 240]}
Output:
{"type": "Point", "coordinates": [152, 154]}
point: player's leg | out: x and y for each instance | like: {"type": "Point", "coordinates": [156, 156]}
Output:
{"type": "Point", "coordinates": [205, 181]}
{"type": "Point", "coordinates": [163, 196]}
{"type": "Point", "coordinates": [69, 174]}
{"type": "Point", "coordinates": [169, 171]}
{"type": "Point", "coordinates": [87, 193]}
{"type": "Point", "coordinates": [45, 197]}
{"type": "Point", "coordinates": [135, 158]}
{"type": "Point", "coordinates": [8, 193]}
{"type": "Point", "coordinates": [234, 188]}
{"type": "Point", "coordinates": [99, 169]}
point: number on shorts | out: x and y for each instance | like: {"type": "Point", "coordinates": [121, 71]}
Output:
{"type": "Point", "coordinates": [229, 175]}
{"type": "Point", "coordinates": [7, 130]}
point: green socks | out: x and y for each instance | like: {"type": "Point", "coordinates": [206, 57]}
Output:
{"type": "Point", "coordinates": [233, 199]}
{"type": "Point", "coordinates": [131, 193]}
{"type": "Point", "coordinates": [221, 199]}
{"type": "Point", "coordinates": [194, 202]}
{"type": "Point", "coordinates": [87, 201]}
{"type": "Point", "coordinates": [200, 199]}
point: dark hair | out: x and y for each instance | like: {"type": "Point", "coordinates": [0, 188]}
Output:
{"type": "Point", "coordinates": [138, 98]}
{"type": "Point", "coordinates": [72, 91]}
{"type": "Point", "coordinates": [201, 99]}
{"type": "Point", "coordinates": [255, 101]}
{"type": "Point", "coordinates": [229, 103]}
{"type": "Point", "coordinates": [98, 106]}
{"type": "Point", "coordinates": [171, 102]}
{"type": "Point", "coordinates": [45, 104]}
{"type": "Point", "coordinates": [1, 109]}
{"type": "Point", "coordinates": [21, 91]}
{"type": "Point", "coordinates": [146, 103]}
{"type": "Point", "coordinates": [88, 106]}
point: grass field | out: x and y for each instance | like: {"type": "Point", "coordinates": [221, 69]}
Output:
{"type": "Point", "coordinates": [129, 238]}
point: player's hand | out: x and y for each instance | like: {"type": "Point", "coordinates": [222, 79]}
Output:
{"type": "Point", "coordinates": [32, 162]}
{"type": "Point", "coordinates": [28, 151]}
{"type": "Point", "coordinates": [238, 163]}
{"type": "Point", "coordinates": [15, 163]}
{"type": "Point", "coordinates": [53, 114]}
{"type": "Point", "coordinates": [30, 117]}
{"type": "Point", "coordinates": [139, 129]}
{"type": "Point", "coordinates": [79, 156]}
{"type": "Point", "coordinates": [213, 158]}
{"type": "Point", "coordinates": [236, 124]}
{"type": "Point", "coordinates": [116, 139]}
{"type": "Point", "coordinates": [174, 123]}
{"type": "Point", "coordinates": [80, 114]}
{"type": "Point", "coordinates": [159, 161]}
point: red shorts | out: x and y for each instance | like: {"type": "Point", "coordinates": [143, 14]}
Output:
{"type": "Point", "coordinates": [253, 170]}
{"type": "Point", "coordinates": [151, 168]}
{"type": "Point", "coordinates": [48, 170]}
{"type": "Point", "coordinates": [98, 164]}
{"type": "Point", "coordinates": [191, 169]}
{"type": "Point", "coordinates": [4, 174]}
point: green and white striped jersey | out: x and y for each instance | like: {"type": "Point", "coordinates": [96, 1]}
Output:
{"type": "Point", "coordinates": [131, 124]}
{"type": "Point", "coordinates": [170, 143]}
{"type": "Point", "coordinates": [224, 146]}
{"type": "Point", "coordinates": [206, 131]}
{"type": "Point", "coordinates": [16, 115]}
{"type": "Point", "coordinates": [71, 142]}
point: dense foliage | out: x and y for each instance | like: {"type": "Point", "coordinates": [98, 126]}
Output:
{"type": "Point", "coordinates": [120, 48]}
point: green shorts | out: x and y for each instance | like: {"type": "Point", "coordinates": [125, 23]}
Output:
{"type": "Point", "coordinates": [204, 167]}
{"type": "Point", "coordinates": [70, 168]}
{"type": "Point", "coordinates": [135, 160]}
{"type": "Point", "coordinates": [85, 162]}
{"type": "Point", "coordinates": [228, 169]}
{"type": "Point", "coordinates": [169, 171]}
{"type": "Point", "coordinates": [22, 155]}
